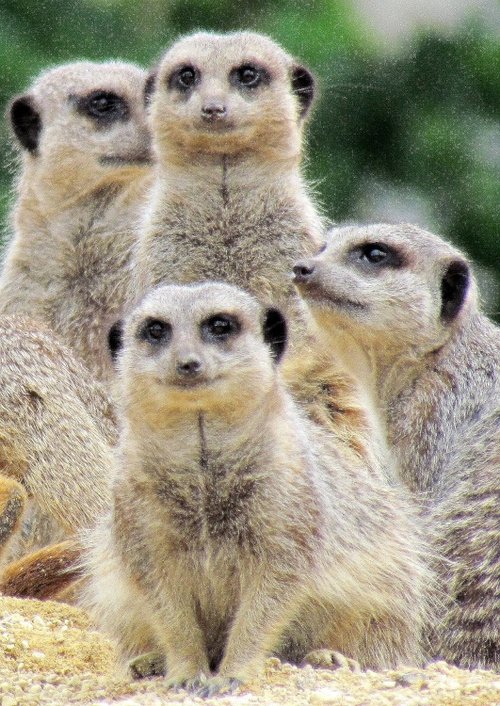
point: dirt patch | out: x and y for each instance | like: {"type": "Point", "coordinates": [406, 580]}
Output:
{"type": "Point", "coordinates": [49, 654]}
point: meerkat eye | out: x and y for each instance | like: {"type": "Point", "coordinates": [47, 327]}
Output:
{"type": "Point", "coordinates": [104, 106]}
{"type": "Point", "coordinates": [374, 253]}
{"type": "Point", "coordinates": [184, 78]}
{"type": "Point", "coordinates": [377, 254]}
{"type": "Point", "coordinates": [219, 327]}
{"type": "Point", "coordinates": [248, 76]}
{"type": "Point", "coordinates": [155, 331]}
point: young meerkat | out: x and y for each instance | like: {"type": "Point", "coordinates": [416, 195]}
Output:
{"type": "Point", "coordinates": [85, 169]}
{"type": "Point", "coordinates": [398, 306]}
{"type": "Point", "coordinates": [238, 527]}
{"type": "Point", "coordinates": [57, 430]}
{"type": "Point", "coordinates": [229, 203]}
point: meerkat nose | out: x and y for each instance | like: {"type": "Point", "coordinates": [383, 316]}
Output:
{"type": "Point", "coordinates": [213, 111]}
{"type": "Point", "coordinates": [302, 271]}
{"type": "Point", "coordinates": [189, 366]}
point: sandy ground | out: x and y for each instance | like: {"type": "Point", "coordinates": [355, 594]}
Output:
{"type": "Point", "coordinates": [50, 655]}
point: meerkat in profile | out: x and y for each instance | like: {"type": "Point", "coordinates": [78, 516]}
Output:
{"type": "Point", "coordinates": [227, 114]}
{"type": "Point", "coordinates": [399, 306]}
{"type": "Point", "coordinates": [57, 430]}
{"type": "Point", "coordinates": [85, 168]}
{"type": "Point", "coordinates": [238, 529]}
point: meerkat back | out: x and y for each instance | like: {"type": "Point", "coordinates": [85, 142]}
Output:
{"type": "Point", "coordinates": [227, 114]}
{"type": "Point", "coordinates": [85, 165]}
{"type": "Point", "coordinates": [57, 429]}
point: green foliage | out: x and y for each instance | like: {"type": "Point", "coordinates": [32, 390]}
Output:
{"type": "Point", "coordinates": [420, 126]}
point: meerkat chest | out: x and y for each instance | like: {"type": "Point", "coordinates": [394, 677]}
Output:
{"type": "Point", "coordinates": [210, 503]}
{"type": "Point", "coordinates": [246, 239]}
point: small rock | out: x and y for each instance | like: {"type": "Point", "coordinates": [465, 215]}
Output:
{"type": "Point", "coordinates": [9, 701]}
{"type": "Point", "coordinates": [324, 697]}
{"type": "Point", "coordinates": [416, 679]}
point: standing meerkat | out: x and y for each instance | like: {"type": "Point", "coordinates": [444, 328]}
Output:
{"type": "Point", "coordinates": [85, 169]}
{"type": "Point", "coordinates": [57, 430]}
{"type": "Point", "coordinates": [229, 202]}
{"type": "Point", "coordinates": [238, 528]}
{"type": "Point", "coordinates": [399, 306]}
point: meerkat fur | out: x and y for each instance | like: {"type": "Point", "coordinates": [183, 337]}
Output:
{"type": "Point", "coordinates": [399, 305]}
{"type": "Point", "coordinates": [57, 430]}
{"type": "Point", "coordinates": [238, 526]}
{"type": "Point", "coordinates": [85, 165]}
{"type": "Point", "coordinates": [227, 113]}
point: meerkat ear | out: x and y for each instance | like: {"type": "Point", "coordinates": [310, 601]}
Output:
{"type": "Point", "coordinates": [454, 287]}
{"type": "Point", "coordinates": [150, 87]}
{"type": "Point", "coordinates": [303, 87]}
{"type": "Point", "coordinates": [115, 340]}
{"type": "Point", "coordinates": [275, 332]}
{"type": "Point", "coordinates": [26, 122]}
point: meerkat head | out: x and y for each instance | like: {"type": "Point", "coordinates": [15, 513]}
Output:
{"type": "Point", "coordinates": [199, 347]}
{"type": "Point", "coordinates": [81, 123]}
{"type": "Point", "coordinates": [228, 94]}
{"type": "Point", "coordinates": [396, 286]}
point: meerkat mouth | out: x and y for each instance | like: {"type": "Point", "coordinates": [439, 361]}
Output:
{"type": "Point", "coordinates": [312, 292]}
{"type": "Point", "coordinates": [116, 160]}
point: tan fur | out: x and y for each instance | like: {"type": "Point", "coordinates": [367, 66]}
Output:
{"type": "Point", "coordinates": [435, 381]}
{"type": "Point", "coordinates": [78, 197]}
{"type": "Point", "coordinates": [229, 202]}
{"type": "Point", "coordinates": [46, 573]}
{"type": "Point", "coordinates": [239, 527]}
{"type": "Point", "coordinates": [57, 429]}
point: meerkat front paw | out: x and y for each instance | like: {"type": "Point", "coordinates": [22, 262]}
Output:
{"type": "Point", "coordinates": [150, 664]}
{"type": "Point", "coordinates": [330, 659]}
{"type": "Point", "coordinates": [218, 685]}
{"type": "Point", "coordinates": [195, 684]}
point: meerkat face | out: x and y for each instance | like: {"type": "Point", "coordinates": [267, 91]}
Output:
{"type": "Point", "coordinates": [396, 285]}
{"type": "Point", "coordinates": [83, 121]}
{"type": "Point", "coordinates": [198, 346]}
{"type": "Point", "coordinates": [228, 93]}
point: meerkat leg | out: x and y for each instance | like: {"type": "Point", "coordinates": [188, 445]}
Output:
{"type": "Point", "coordinates": [13, 500]}
{"type": "Point", "coordinates": [181, 640]}
{"type": "Point", "coordinates": [262, 616]}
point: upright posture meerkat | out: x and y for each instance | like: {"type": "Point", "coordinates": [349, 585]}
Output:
{"type": "Point", "coordinates": [85, 168]}
{"type": "Point", "coordinates": [399, 306]}
{"type": "Point", "coordinates": [229, 202]}
{"type": "Point", "coordinates": [57, 429]}
{"type": "Point", "coordinates": [238, 528]}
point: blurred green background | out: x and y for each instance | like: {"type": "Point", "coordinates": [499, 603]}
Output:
{"type": "Point", "coordinates": [404, 130]}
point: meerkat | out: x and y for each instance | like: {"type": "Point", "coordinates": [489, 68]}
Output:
{"type": "Point", "coordinates": [86, 165]}
{"type": "Point", "coordinates": [57, 431]}
{"type": "Point", "coordinates": [238, 529]}
{"type": "Point", "coordinates": [399, 306]}
{"type": "Point", "coordinates": [229, 203]}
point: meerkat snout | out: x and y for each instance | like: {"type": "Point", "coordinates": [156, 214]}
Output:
{"type": "Point", "coordinates": [189, 366]}
{"type": "Point", "coordinates": [213, 111]}
{"type": "Point", "coordinates": [302, 271]}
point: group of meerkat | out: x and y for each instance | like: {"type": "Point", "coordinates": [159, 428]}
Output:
{"type": "Point", "coordinates": [258, 437]}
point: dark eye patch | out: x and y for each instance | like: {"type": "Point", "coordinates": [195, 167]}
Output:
{"type": "Point", "coordinates": [376, 255]}
{"type": "Point", "coordinates": [155, 331]}
{"type": "Point", "coordinates": [248, 76]}
{"type": "Point", "coordinates": [104, 107]}
{"type": "Point", "coordinates": [184, 78]}
{"type": "Point", "coordinates": [219, 327]}
{"type": "Point", "coordinates": [322, 248]}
